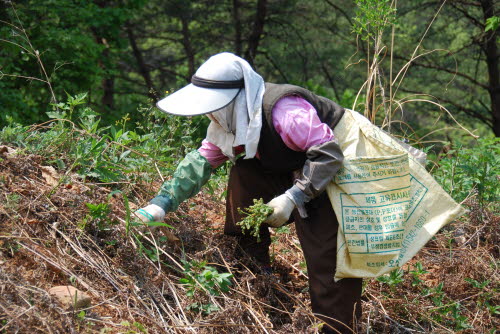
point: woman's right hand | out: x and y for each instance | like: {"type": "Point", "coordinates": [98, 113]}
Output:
{"type": "Point", "coordinates": [150, 213]}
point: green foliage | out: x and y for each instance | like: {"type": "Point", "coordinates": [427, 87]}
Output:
{"type": "Point", "coordinates": [448, 314]}
{"type": "Point", "coordinates": [216, 185]}
{"type": "Point", "coordinates": [12, 201]}
{"type": "Point", "coordinates": [443, 311]}
{"type": "Point", "coordinates": [76, 139]}
{"type": "Point", "coordinates": [79, 43]}
{"type": "Point", "coordinates": [134, 328]}
{"type": "Point", "coordinates": [151, 224]}
{"type": "Point", "coordinates": [203, 308]}
{"type": "Point", "coordinates": [198, 276]}
{"type": "Point", "coordinates": [81, 315]}
{"type": "Point", "coordinates": [283, 230]}
{"type": "Point", "coordinates": [394, 278]}
{"type": "Point", "coordinates": [147, 249]}
{"type": "Point", "coordinates": [492, 23]}
{"type": "Point", "coordinates": [10, 247]}
{"type": "Point", "coordinates": [255, 215]}
{"type": "Point", "coordinates": [373, 17]}
{"type": "Point", "coordinates": [347, 99]}
{"type": "Point", "coordinates": [493, 309]}
{"type": "Point", "coordinates": [476, 284]}
{"type": "Point", "coordinates": [303, 267]}
{"type": "Point", "coordinates": [65, 110]}
{"type": "Point", "coordinates": [437, 294]}
{"type": "Point", "coordinates": [126, 54]}
{"type": "Point", "coordinates": [419, 270]}
{"type": "Point", "coordinates": [460, 321]}
{"type": "Point", "coordinates": [468, 171]}
{"type": "Point", "coordinates": [99, 214]}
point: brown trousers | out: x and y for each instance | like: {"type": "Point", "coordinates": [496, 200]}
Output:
{"type": "Point", "coordinates": [337, 304]}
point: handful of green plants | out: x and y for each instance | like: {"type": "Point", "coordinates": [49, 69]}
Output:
{"type": "Point", "coordinates": [256, 214]}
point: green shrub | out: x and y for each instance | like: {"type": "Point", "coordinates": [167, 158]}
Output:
{"type": "Point", "coordinates": [98, 214]}
{"type": "Point", "coordinates": [393, 278]}
{"type": "Point", "coordinates": [199, 276]}
{"type": "Point", "coordinates": [75, 141]}
{"type": "Point", "coordinates": [472, 171]}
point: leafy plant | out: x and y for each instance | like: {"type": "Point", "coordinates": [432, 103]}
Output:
{"type": "Point", "coordinates": [98, 214]}
{"type": "Point", "coordinates": [199, 276]}
{"type": "Point", "coordinates": [64, 110]}
{"type": "Point", "coordinates": [460, 321]}
{"type": "Point", "coordinates": [283, 230]}
{"type": "Point", "coordinates": [493, 309]}
{"type": "Point", "coordinates": [203, 308]}
{"type": "Point", "coordinates": [280, 230]}
{"type": "Point", "coordinates": [143, 248]}
{"type": "Point", "coordinates": [12, 200]}
{"type": "Point", "coordinates": [75, 141]}
{"type": "Point", "coordinates": [492, 23]}
{"type": "Point", "coordinates": [477, 284]}
{"type": "Point", "coordinates": [81, 315]}
{"type": "Point", "coordinates": [373, 17]}
{"type": "Point", "coordinates": [437, 294]}
{"type": "Point", "coordinates": [255, 214]}
{"type": "Point", "coordinates": [468, 171]}
{"type": "Point", "coordinates": [303, 267]}
{"type": "Point", "coordinates": [135, 327]}
{"type": "Point", "coordinates": [393, 278]}
{"type": "Point", "coordinates": [419, 270]}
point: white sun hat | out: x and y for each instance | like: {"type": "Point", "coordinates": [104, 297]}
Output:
{"type": "Point", "coordinates": [223, 79]}
{"type": "Point", "coordinates": [215, 85]}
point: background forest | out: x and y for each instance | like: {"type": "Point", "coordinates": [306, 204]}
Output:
{"type": "Point", "coordinates": [132, 52]}
{"type": "Point", "coordinates": [82, 146]}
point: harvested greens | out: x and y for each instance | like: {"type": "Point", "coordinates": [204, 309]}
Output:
{"type": "Point", "coordinates": [255, 214]}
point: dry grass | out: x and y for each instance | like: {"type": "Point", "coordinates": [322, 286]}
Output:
{"type": "Point", "coordinates": [43, 243]}
{"type": "Point", "coordinates": [378, 96]}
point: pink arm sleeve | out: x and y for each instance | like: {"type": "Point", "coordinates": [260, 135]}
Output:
{"type": "Point", "coordinates": [298, 124]}
{"type": "Point", "coordinates": [212, 153]}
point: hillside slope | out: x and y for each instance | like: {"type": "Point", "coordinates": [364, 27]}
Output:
{"type": "Point", "coordinates": [57, 229]}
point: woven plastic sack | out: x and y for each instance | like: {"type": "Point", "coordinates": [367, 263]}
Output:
{"type": "Point", "coordinates": [388, 206]}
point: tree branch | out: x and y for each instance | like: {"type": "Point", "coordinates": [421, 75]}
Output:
{"type": "Point", "coordinates": [343, 12]}
{"type": "Point", "coordinates": [468, 111]}
{"type": "Point", "coordinates": [467, 15]}
{"type": "Point", "coordinates": [444, 69]}
{"type": "Point", "coordinates": [276, 67]}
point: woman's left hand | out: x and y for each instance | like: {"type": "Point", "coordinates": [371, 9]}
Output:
{"type": "Point", "coordinates": [283, 207]}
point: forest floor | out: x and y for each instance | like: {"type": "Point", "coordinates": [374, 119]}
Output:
{"type": "Point", "coordinates": [50, 236]}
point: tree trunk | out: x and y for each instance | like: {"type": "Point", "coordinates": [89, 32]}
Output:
{"type": "Point", "coordinates": [258, 29]}
{"type": "Point", "coordinates": [143, 69]}
{"type": "Point", "coordinates": [108, 87]}
{"type": "Point", "coordinates": [188, 48]}
{"type": "Point", "coordinates": [237, 27]}
{"type": "Point", "coordinates": [490, 49]}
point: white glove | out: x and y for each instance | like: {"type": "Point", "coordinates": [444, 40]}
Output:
{"type": "Point", "coordinates": [283, 207]}
{"type": "Point", "coordinates": [150, 213]}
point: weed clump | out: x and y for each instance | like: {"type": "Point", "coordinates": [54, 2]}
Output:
{"type": "Point", "coordinates": [256, 214]}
